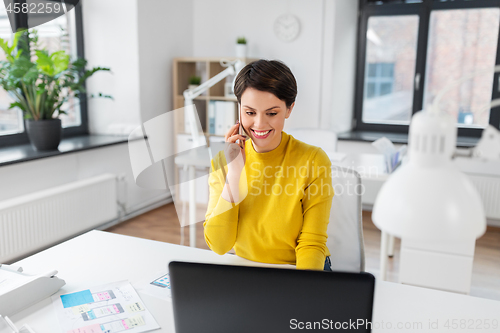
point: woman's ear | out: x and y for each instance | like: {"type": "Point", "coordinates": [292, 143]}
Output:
{"type": "Point", "coordinates": [289, 110]}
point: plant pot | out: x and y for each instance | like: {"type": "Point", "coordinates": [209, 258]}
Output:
{"type": "Point", "coordinates": [192, 86]}
{"type": "Point", "coordinates": [44, 134]}
{"type": "Point", "coordinates": [241, 50]}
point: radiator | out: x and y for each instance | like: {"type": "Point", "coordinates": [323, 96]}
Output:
{"type": "Point", "coordinates": [37, 220]}
{"type": "Point", "coordinates": [489, 189]}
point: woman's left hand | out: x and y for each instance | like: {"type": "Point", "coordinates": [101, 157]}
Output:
{"type": "Point", "coordinates": [235, 152]}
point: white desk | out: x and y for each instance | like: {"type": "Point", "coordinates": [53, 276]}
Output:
{"type": "Point", "coordinates": [98, 257]}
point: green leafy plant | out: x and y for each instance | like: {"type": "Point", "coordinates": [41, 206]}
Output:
{"type": "Point", "coordinates": [241, 40]}
{"type": "Point", "coordinates": [195, 80]}
{"type": "Point", "coordinates": [39, 81]}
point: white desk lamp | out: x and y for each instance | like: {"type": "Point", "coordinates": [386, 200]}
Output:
{"type": "Point", "coordinates": [434, 208]}
{"type": "Point", "coordinates": [233, 68]}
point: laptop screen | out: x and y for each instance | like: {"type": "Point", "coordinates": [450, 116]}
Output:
{"type": "Point", "coordinates": [223, 298]}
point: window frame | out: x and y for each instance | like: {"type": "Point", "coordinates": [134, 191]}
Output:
{"type": "Point", "coordinates": [82, 129]}
{"type": "Point", "coordinates": [423, 10]}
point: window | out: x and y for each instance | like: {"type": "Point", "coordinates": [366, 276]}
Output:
{"type": "Point", "coordinates": [62, 33]}
{"type": "Point", "coordinates": [411, 50]}
{"type": "Point", "coordinates": [462, 41]}
{"type": "Point", "coordinates": [390, 67]}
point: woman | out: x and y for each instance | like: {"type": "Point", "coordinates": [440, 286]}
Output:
{"type": "Point", "coordinates": [270, 197]}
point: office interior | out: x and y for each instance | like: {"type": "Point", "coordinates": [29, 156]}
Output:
{"type": "Point", "coordinates": [356, 67]}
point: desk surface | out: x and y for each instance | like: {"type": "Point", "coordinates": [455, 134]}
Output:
{"type": "Point", "coordinates": [98, 257]}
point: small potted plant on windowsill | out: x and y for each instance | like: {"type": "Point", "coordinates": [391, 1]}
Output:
{"type": "Point", "coordinates": [41, 83]}
{"type": "Point", "coordinates": [241, 47]}
{"type": "Point", "coordinates": [194, 81]}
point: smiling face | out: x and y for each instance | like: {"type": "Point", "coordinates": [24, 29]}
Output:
{"type": "Point", "coordinates": [263, 116]}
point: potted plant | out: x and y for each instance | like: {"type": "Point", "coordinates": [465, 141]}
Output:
{"type": "Point", "coordinates": [194, 81]}
{"type": "Point", "coordinates": [241, 47]}
{"type": "Point", "coordinates": [41, 83]}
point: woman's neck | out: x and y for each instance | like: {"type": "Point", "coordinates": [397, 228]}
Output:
{"type": "Point", "coordinates": [265, 150]}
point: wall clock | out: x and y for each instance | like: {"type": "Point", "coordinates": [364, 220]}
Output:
{"type": "Point", "coordinates": [287, 27]}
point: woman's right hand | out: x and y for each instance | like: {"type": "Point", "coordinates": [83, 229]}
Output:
{"type": "Point", "coordinates": [234, 152]}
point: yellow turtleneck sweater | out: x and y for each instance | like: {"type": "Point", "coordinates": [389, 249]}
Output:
{"type": "Point", "coordinates": [284, 209]}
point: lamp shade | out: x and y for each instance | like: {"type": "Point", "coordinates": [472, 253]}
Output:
{"type": "Point", "coordinates": [431, 204]}
{"type": "Point", "coordinates": [428, 198]}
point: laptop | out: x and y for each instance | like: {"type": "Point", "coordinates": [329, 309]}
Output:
{"type": "Point", "coordinates": [237, 299]}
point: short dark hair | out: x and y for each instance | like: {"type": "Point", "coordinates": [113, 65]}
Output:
{"type": "Point", "coordinates": [267, 75]}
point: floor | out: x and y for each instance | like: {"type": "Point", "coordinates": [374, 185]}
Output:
{"type": "Point", "coordinates": [163, 225]}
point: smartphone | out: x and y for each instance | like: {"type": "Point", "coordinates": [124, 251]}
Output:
{"type": "Point", "coordinates": [163, 281]}
{"type": "Point", "coordinates": [241, 130]}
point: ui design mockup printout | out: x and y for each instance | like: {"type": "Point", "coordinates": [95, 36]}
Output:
{"type": "Point", "coordinates": [111, 308]}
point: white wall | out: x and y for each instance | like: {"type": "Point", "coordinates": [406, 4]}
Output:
{"type": "Point", "coordinates": [164, 33]}
{"type": "Point", "coordinates": [138, 44]}
{"type": "Point", "coordinates": [339, 108]}
{"type": "Point", "coordinates": [111, 40]}
{"type": "Point", "coordinates": [217, 24]}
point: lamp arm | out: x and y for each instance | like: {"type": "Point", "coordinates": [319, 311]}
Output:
{"type": "Point", "coordinates": [195, 92]}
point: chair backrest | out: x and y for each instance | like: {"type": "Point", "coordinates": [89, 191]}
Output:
{"type": "Point", "coordinates": [325, 139]}
{"type": "Point", "coordinates": [345, 230]}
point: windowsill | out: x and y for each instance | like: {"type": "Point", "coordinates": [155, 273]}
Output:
{"type": "Point", "coordinates": [401, 138]}
{"type": "Point", "coordinates": [23, 153]}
